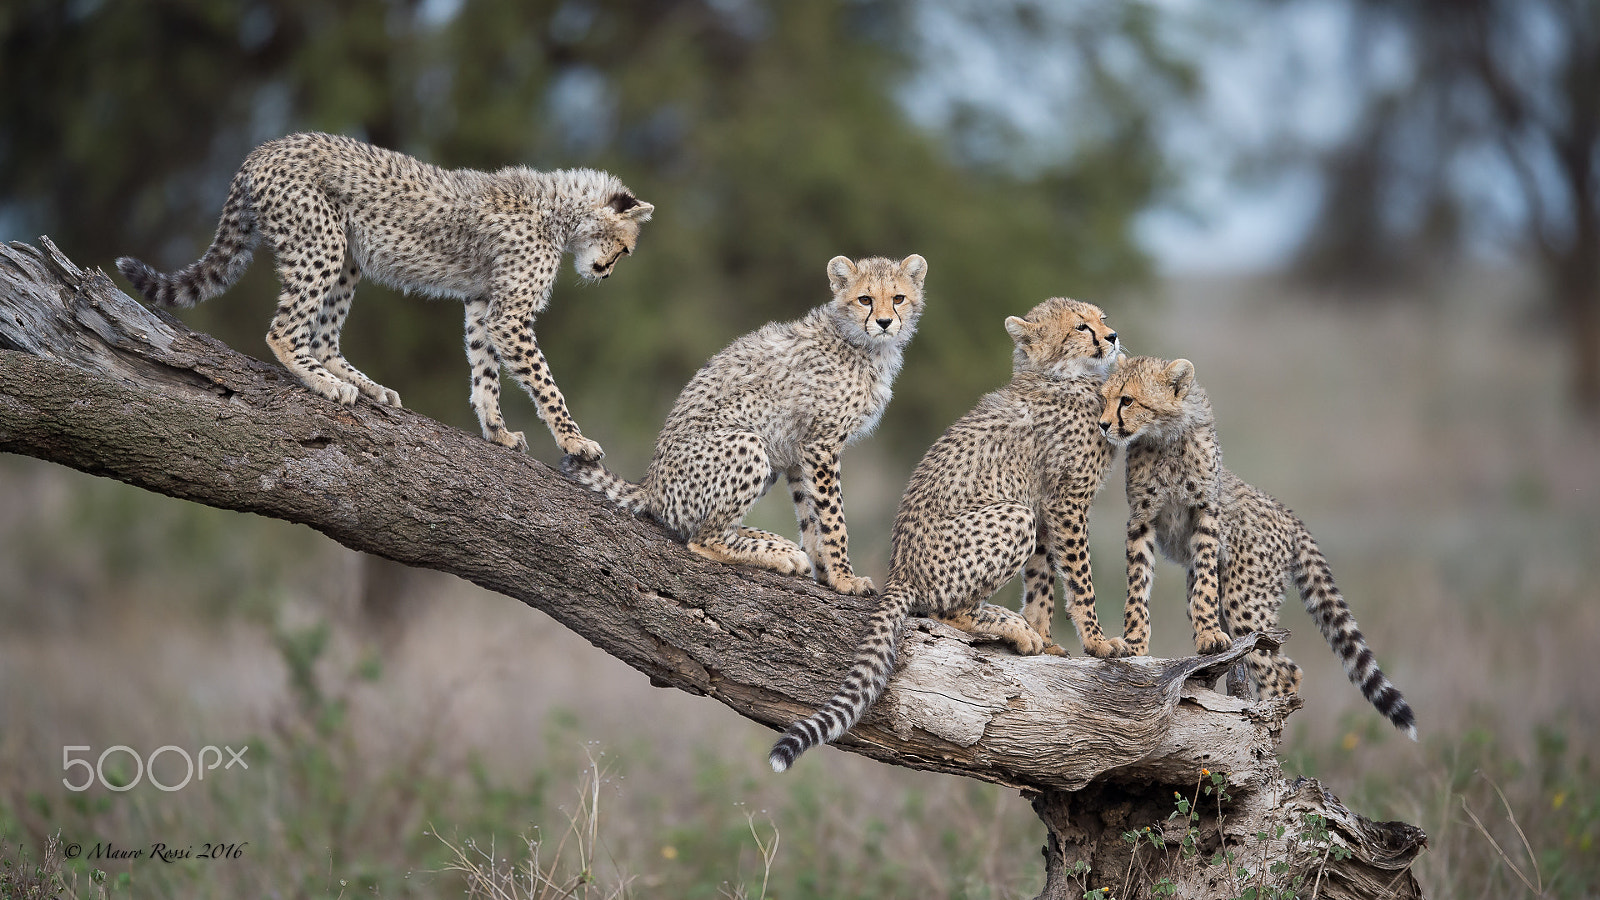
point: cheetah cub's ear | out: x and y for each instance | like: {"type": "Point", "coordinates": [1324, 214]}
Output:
{"type": "Point", "coordinates": [630, 207]}
{"type": "Point", "coordinates": [914, 267]}
{"type": "Point", "coordinates": [1020, 329]}
{"type": "Point", "coordinates": [841, 271]}
{"type": "Point", "coordinates": [1180, 374]}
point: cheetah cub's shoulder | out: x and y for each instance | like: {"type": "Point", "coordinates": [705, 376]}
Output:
{"type": "Point", "coordinates": [782, 400]}
{"type": "Point", "coordinates": [1237, 542]}
{"type": "Point", "coordinates": [335, 210]}
{"type": "Point", "coordinates": [1007, 487]}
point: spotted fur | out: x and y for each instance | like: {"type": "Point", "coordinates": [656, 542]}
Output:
{"type": "Point", "coordinates": [782, 400]}
{"type": "Point", "coordinates": [1006, 488]}
{"type": "Point", "coordinates": [335, 209]}
{"type": "Point", "coordinates": [1237, 543]}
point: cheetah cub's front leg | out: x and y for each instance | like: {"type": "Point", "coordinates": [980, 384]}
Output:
{"type": "Point", "coordinates": [519, 293]}
{"type": "Point", "coordinates": [819, 508]}
{"type": "Point", "coordinates": [1067, 552]}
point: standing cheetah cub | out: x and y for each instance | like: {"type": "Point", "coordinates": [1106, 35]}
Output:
{"type": "Point", "coordinates": [781, 400]}
{"type": "Point", "coordinates": [1008, 484]}
{"type": "Point", "coordinates": [332, 209]}
{"type": "Point", "coordinates": [1237, 543]}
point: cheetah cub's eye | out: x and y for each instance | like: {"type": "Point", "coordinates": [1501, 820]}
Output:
{"type": "Point", "coordinates": [864, 300]}
{"type": "Point", "coordinates": [1083, 326]}
{"type": "Point", "coordinates": [1123, 401]}
{"type": "Point", "coordinates": [899, 299]}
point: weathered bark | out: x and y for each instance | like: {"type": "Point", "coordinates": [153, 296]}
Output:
{"type": "Point", "coordinates": [92, 380]}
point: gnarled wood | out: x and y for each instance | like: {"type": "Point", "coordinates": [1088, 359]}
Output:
{"type": "Point", "coordinates": [92, 380]}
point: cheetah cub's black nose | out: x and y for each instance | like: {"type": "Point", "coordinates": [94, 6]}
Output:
{"type": "Point", "coordinates": [1105, 427]}
{"type": "Point", "coordinates": [1112, 337]}
{"type": "Point", "coordinates": [885, 323]}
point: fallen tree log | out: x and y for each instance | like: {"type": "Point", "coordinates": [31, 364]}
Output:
{"type": "Point", "coordinates": [93, 380]}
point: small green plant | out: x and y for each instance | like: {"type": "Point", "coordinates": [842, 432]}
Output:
{"type": "Point", "coordinates": [52, 876]}
{"type": "Point", "coordinates": [1284, 863]}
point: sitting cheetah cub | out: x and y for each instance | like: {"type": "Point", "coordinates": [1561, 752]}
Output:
{"type": "Point", "coordinates": [1008, 484]}
{"type": "Point", "coordinates": [1237, 542]}
{"type": "Point", "coordinates": [332, 209]}
{"type": "Point", "coordinates": [783, 399]}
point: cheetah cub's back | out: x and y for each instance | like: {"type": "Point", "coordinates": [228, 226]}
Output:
{"type": "Point", "coordinates": [1008, 485]}
{"type": "Point", "coordinates": [1237, 542]}
{"type": "Point", "coordinates": [783, 400]}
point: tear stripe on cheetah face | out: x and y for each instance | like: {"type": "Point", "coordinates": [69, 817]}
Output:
{"type": "Point", "coordinates": [335, 210]}
{"type": "Point", "coordinates": [1237, 542]}
{"type": "Point", "coordinates": [783, 400]}
{"type": "Point", "coordinates": [1006, 488]}
{"type": "Point", "coordinates": [872, 305]}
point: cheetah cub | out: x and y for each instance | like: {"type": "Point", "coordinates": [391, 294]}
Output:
{"type": "Point", "coordinates": [334, 209]}
{"type": "Point", "coordinates": [1238, 543]}
{"type": "Point", "coordinates": [781, 400]}
{"type": "Point", "coordinates": [1008, 484]}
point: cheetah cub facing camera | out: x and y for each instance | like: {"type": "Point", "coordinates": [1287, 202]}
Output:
{"type": "Point", "coordinates": [781, 400]}
{"type": "Point", "coordinates": [1238, 543]}
{"type": "Point", "coordinates": [334, 209]}
{"type": "Point", "coordinates": [1008, 485]}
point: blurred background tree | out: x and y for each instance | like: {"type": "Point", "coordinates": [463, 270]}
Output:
{"type": "Point", "coordinates": [1474, 133]}
{"type": "Point", "coordinates": [771, 136]}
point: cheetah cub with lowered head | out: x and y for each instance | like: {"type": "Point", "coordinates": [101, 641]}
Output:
{"type": "Point", "coordinates": [1008, 484]}
{"type": "Point", "coordinates": [784, 399]}
{"type": "Point", "coordinates": [334, 209]}
{"type": "Point", "coordinates": [1238, 543]}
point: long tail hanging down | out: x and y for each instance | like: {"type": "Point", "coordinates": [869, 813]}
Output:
{"type": "Point", "coordinates": [217, 270]}
{"type": "Point", "coordinates": [869, 674]}
{"type": "Point", "coordinates": [1328, 609]}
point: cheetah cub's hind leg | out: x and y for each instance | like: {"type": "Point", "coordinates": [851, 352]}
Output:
{"type": "Point", "coordinates": [1255, 608]}
{"type": "Point", "coordinates": [325, 337]}
{"type": "Point", "coordinates": [485, 365]}
{"type": "Point", "coordinates": [986, 546]}
{"type": "Point", "coordinates": [309, 273]}
{"type": "Point", "coordinates": [739, 473]}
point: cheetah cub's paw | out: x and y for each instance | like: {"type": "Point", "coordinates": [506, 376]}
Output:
{"type": "Point", "coordinates": [794, 562]}
{"type": "Point", "coordinates": [851, 584]}
{"type": "Point", "coordinates": [512, 439]}
{"type": "Point", "coordinates": [1054, 649]}
{"type": "Point", "coordinates": [1029, 642]}
{"type": "Point", "coordinates": [1212, 641]}
{"type": "Point", "coordinates": [1108, 648]}
{"type": "Point", "coordinates": [339, 392]}
{"type": "Point", "coordinates": [384, 397]}
{"type": "Point", "coordinates": [583, 448]}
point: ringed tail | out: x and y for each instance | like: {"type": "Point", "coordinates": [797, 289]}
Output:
{"type": "Point", "coordinates": [869, 674]}
{"type": "Point", "coordinates": [596, 477]}
{"type": "Point", "coordinates": [217, 270]}
{"type": "Point", "coordinates": [1326, 605]}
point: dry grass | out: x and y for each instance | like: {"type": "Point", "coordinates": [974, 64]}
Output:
{"type": "Point", "coordinates": [1424, 444]}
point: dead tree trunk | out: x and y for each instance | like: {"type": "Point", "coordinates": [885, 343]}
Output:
{"type": "Point", "coordinates": [92, 380]}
